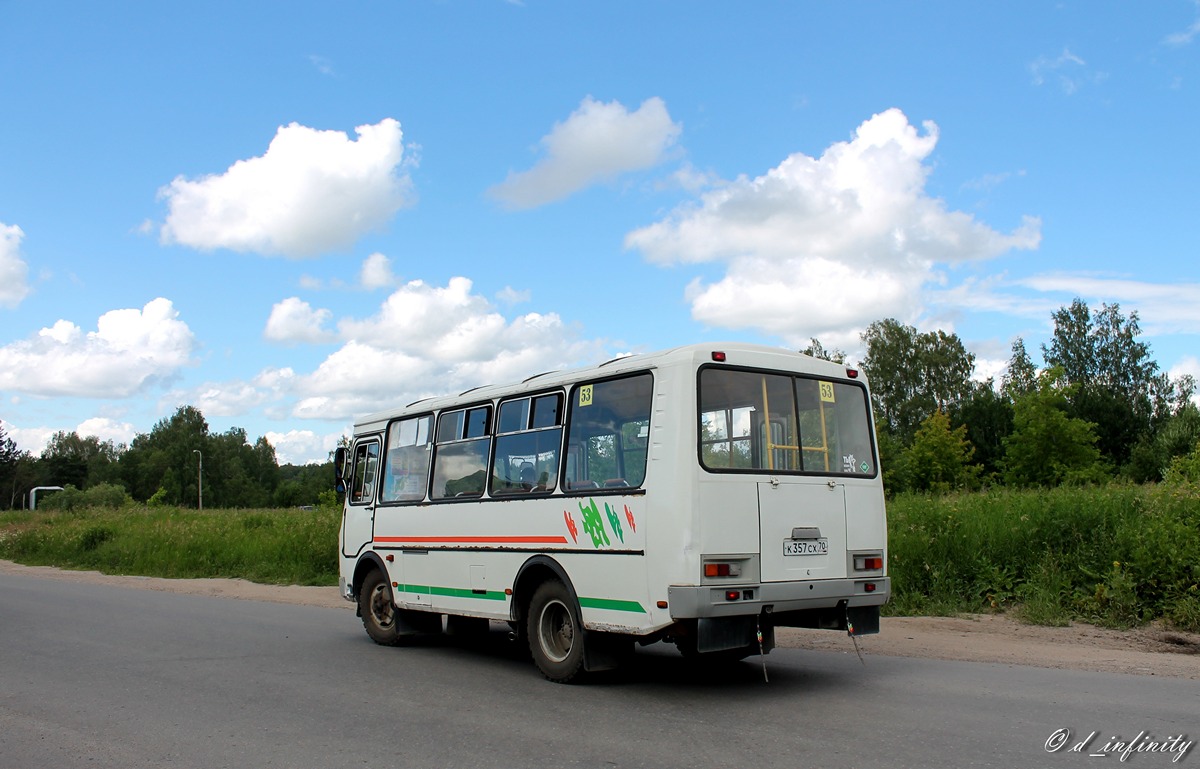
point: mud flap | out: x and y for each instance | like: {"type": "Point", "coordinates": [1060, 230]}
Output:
{"type": "Point", "coordinates": [605, 651]}
{"type": "Point", "coordinates": [715, 634]}
{"type": "Point", "coordinates": [410, 622]}
{"type": "Point", "coordinates": [862, 620]}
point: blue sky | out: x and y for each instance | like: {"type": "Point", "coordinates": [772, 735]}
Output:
{"type": "Point", "coordinates": [291, 213]}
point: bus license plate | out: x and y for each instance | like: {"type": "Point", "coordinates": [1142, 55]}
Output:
{"type": "Point", "coordinates": [806, 547]}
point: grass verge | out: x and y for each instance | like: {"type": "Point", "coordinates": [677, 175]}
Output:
{"type": "Point", "coordinates": [1115, 555]}
{"type": "Point", "coordinates": [287, 547]}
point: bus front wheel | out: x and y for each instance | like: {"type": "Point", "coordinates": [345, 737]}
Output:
{"type": "Point", "coordinates": [554, 632]}
{"type": "Point", "coordinates": [378, 610]}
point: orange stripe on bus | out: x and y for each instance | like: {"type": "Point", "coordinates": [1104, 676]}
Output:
{"type": "Point", "coordinates": [478, 540]}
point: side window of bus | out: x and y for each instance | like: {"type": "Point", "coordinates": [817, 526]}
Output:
{"type": "Point", "coordinates": [608, 432]}
{"type": "Point", "coordinates": [406, 464]}
{"type": "Point", "coordinates": [366, 465]}
{"type": "Point", "coordinates": [460, 458]}
{"type": "Point", "coordinates": [528, 437]}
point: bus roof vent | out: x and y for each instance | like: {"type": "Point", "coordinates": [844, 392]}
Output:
{"type": "Point", "coordinates": [535, 376]}
{"type": "Point", "coordinates": [619, 357]}
{"type": "Point", "coordinates": [473, 389]}
{"type": "Point", "coordinates": [419, 400]}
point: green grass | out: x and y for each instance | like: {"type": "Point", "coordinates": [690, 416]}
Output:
{"type": "Point", "coordinates": [1112, 555]}
{"type": "Point", "coordinates": [290, 547]}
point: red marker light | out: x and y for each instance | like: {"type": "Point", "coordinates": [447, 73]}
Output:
{"type": "Point", "coordinates": [719, 357]}
{"type": "Point", "coordinates": [852, 373]}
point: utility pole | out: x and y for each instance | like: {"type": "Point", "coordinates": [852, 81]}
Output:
{"type": "Point", "coordinates": [200, 480]}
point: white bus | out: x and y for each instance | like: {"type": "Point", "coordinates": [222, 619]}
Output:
{"type": "Point", "coordinates": [703, 495]}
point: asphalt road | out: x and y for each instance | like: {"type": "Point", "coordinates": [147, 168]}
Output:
{"type": "Point", "coordinates": [99, 676]}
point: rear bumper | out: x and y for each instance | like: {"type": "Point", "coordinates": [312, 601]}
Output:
{"type": "Point", "coordinates": [691, 602]}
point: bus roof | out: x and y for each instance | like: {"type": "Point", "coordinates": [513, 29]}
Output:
{"type": "Point", "coordinates": [735, 354]}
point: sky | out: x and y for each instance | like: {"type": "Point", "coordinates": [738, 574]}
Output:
{"type": "Point", "coordinates": [289, 214]}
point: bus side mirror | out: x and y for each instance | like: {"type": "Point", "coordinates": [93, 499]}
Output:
{"type": "Point", "coordinates": [339, 464]}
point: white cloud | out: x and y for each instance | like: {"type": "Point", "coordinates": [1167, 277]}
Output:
{"type": "Point", "coordinates": [299, 447]}
{"type": "Point", "coordinates": [107, 429]}
{"type": "Point", "coordinates": [129, 349]}
{"type": "Point", "coordinates": [821, 247]}
{"type": "Point", "coordinates": [311, 192]}
{"type": "Point", "coordinates": [31, 439]}
{"type": "Point", "coordinates": [430, 340]}
{"type": "Point", "coordinates": [377, 272]}
{"type": "Point", "coordinates": [510, 296]}
{"type": "Point", "coordinates": [321, 63]}
{"type": "Point", "coordinates": [1067, 69]}
{"type": "Point", "coordinates": [1188, 35]}
{"type": "Point", "coordinates": [294, 321]}
{"type": "Point", "coordinates": [35, 439]}
{"type": "Point", "coordinates": [597, 143]}
{"type": "Point", "coordinates": [14, 272]}
{"type": "Point", "coordinates": [1190, 365]}
{"type": "Point", "coordinates": [226, 399]}
{"type": "Point", "coordinates": [1163, 308]}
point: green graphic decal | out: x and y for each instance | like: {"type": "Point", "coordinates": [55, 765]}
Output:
{"type": "Point", "coordinates": [614, 521]}
{"type": "Point", "coordinates": [593, 524]}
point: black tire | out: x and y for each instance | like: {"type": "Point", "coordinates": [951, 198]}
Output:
{"type": "Point", "coordinates": [555, 632]}
{"type": "Point", "coordinates": [378, 609]}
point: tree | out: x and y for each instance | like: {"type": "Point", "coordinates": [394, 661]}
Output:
{"type": "Point", "coordinates": [16, 471]}
{"type": "Point", "coordinates": [238, 474]}
{"type": "Point", "coordinates": [69, 459]}
{"type": "Point", "coordinates": [817, 350]}
{"type": "Point", "coordinates": [939, 458]}
{"type": "Point", "coordinates": [1177, 437]}
{"type": "Point", "coordinates": [164, 459]}
{"type": "Point", "coordinates": [1020, 378]}
{"type": "Point", "coordinates": [913, 375]}
{"type": "Point", "coordinates": [1116, 385]}
{"type": "Point", "coordinates": [303, 484]}
{"type": "Point", "coordinates": [987, 417]}
{"type": "Point", "coordinates": [1047, 447]}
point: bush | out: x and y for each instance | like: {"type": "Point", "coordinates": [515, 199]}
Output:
{"type": "Point", "coordinates": [104, 495]}
{"type": "Point", "coordinates": [1114, 555]}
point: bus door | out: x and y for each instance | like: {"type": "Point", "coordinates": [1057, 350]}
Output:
{"type": "Point", "coordinates": [823, 432]}
{"type": "Point", "coordinates": [802, 523]}
{"type": "Point", "coordinates": [358, 517]}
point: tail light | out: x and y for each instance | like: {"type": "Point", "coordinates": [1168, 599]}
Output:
{"type": "Point", "coordinates": [868, 563]}
{"type": "Point", "coordinates": [722, 569]}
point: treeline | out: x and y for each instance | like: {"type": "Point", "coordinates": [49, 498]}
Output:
{"type": "Point", "coordinates": [161, 467]}
{"type": "Point", "coordinates": [1099, 409]}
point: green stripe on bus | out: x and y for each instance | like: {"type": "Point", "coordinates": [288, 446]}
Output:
{"type": "Point", "coordinates": [452, 592]}
{"type": "Point", "coordinates": [611, 604]}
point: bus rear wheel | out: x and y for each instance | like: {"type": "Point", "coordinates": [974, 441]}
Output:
{"type": "Point", "coordinates": [555, 633]}
{"type": "Point", "coordinates": [378, 609]}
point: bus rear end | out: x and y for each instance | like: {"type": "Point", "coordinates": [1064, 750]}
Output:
{"type": "Point", "coordinates": [790, 528]}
